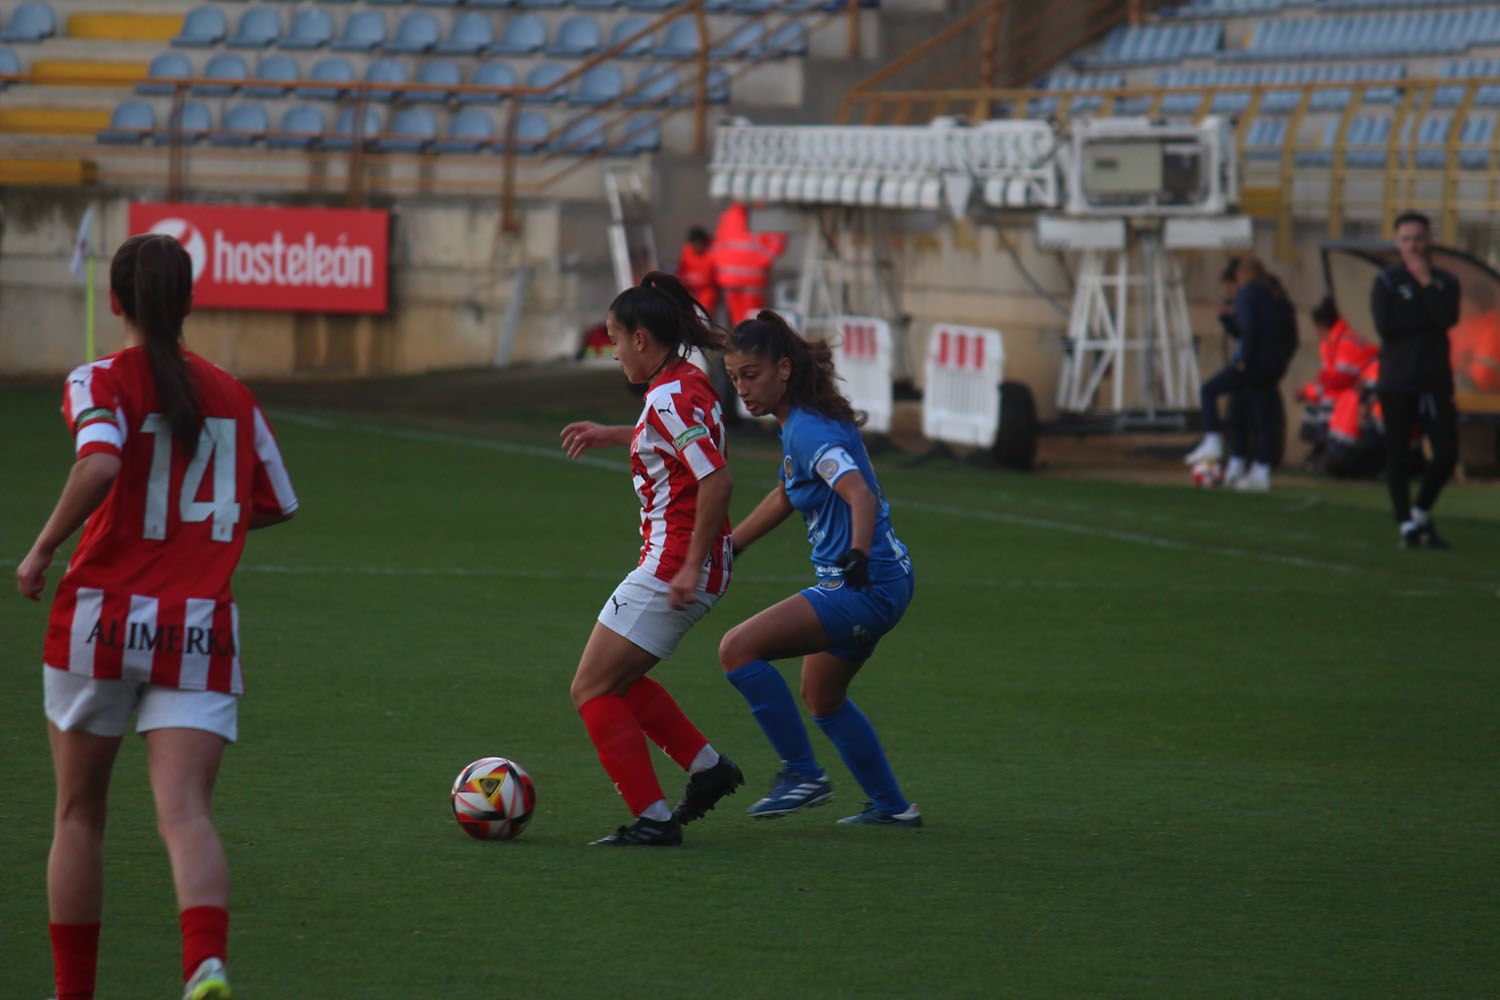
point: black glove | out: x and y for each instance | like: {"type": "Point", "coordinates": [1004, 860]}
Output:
{"type": "Point", "coordinates": [856, 567]}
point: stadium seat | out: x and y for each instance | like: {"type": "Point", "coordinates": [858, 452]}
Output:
{"type": "Point", "coordinates": [273, 77]}
{"type": "Point", "coordinates": [544, 4]}
{"type": "Point", "coordinates": [472, 33]}
{"type": "Point", "coordinates": [227, 67]}
{"type": "Point", "coordinates": [386, 3]}
{"type": "Point", "coordinates": [718, 87]}
{"type": "Point", "coordinates": [581, 136]}
{"type": "Point", "coordinates": [164, 68]}
{"type": "Point", "coordinates": [258, 28]}
{"type": "Point", "coordinates": [436, 3]}
{"type": "Point", "coordinates": [596, 4]}
{"type": "Point", "coordinates": [656, 6]}
{"type": "Point", "coordinates": [202, 27]}
{"type": "Point", "coordinates": [440, 72]}
{"type": "Point", "coordinates": [746, 42]}
{"type": "Point", "coordinates": [416, 32]}
{"type": "Point", "coordinates": [30, 22]}
{"type": "Point", "coordinates": [522, 35]}
{"type": "Point", "coordinates": [578, 36]}
{"type": "Point", "coordinates": [623, 29]}
{"type": "Point", "coordinates": [130, 122]}
{"type": "Point", "coordinates": [680, 40]}
{"type": "Point", "coordinates": [469, 131]}
{"type": "Point", "coordinates": [385, 71]}
{"type": "Point", "coordinates": [1264, 139]}
{"type": "Point", "coordinates": [656, 85]}
{"type": "Point", "coordinates": [494, 73]}
{"type": "Point", "coordinates": [342, 136]}
{"type": "Point", "coordinates": [641, 134]}
{"type": "Point", "coordinates": [311, 28]}
{"type": "Point", "coordinates": [598, 85]}
{"type": "Point", "coordinates": [193, 124]}
{"type": "Point", "coordinates": [363, 32]}
{"type": "Point", "coordinates": [329, 71]}
{"type": "Point", "coordinates": [242, 125]}
{"type": "Point", "coordinates": [492, 3]}
{"type": "Point", "coordinates": [1365, 144]}
{"type": "Point", "coordinates": [531, 132]}
{"type": "Point", "coordinates": [543, 76]}
{"type": "Point", "coordinates": [301, 128]}
{"type": "Point", "coordinates": [788, 40]}
{"type": "Point", "coordinates": [412, 130]}
{"type": "Point", "coordinates": [9, 66]}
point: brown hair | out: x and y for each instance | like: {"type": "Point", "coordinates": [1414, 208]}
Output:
{"type": "Point", "coordinates": [152, 277]}
{"type": "Point", "coordinates": [1251, 269]}
{"type": "Point", "coordinates": [813, 382]}
{"type": "Point", "coordinates": [662, 306]}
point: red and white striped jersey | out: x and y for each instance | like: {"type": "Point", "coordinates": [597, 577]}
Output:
{"type": "Point", "coordinates": [146, 596]}
{"type": "Point", "coordinates": [678, 440]}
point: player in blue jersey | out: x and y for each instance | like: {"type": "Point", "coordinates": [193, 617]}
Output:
{"type": "Point", "coordinates": [864, 576]}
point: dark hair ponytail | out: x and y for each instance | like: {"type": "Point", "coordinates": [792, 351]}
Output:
{"type": "Point", "coordinates": [662, 305]}
{"type": "Point", "coordinates": [814, 382]}
{"type": "Point", "coordinates": [152, 277]}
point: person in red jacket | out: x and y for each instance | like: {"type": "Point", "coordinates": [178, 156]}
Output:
{"type": "Point", "coordinates": [742, 261]}
{"type": "Point", "coordinates": [1344, 354]}
{"type": "Point", "coordinates": [696, 269]}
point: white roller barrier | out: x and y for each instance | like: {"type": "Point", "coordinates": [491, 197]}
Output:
{"type": "Point", "coordinates": [961, 402]}
{"type": "Point", "coordinates": [863, 353]}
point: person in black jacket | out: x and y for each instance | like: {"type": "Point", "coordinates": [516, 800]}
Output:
{"type": "Point", "coordinates": [1414, 305]}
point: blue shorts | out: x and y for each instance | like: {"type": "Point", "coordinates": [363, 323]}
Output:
{"type": "Point", "coordinates": [856, 619]}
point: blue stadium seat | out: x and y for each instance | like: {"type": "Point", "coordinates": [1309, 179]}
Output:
{"type": "Point", "coordinates": [1264, 139]}
{"type": "Point", "coordinates": [531, 132]}
{"type": "Point", "coordinates": [386, 3]}
{"type": "Point", "coordinates": [1366, 141]}
{"type": "Point", "coordinates": [258, 28]}
{"type": "Point", "coordinates": [193, 123]}
{"type": "Point", "coordinates": [164, 68]}
{"type": "Point", "coordinates": [342, 136]}
{"type": "Point", "coordinates": [440, 72]}
{"type": "Point", "coordinates": [580, 136]}
{"type": "Point", "coordinates": [330, 72]}
{"type": "Point", "coordinates": [717, 89]}
{"type": "Point", "coordinates": [469, 131]}
{"type": "Point", "coordinates": [311, 28]}
{"type": "Point", "coordinates": [242, 125]}
{"type": "Point", "coordinates": [202, 27]}
{"type": "Point", "coordinates": [641, 134]}
{"type": "Point", "coordinates": [623, 29]}
{"type": "Point", "coordinates": [599, 85]}
{"type": "Point", "coordinates": [273, 77]}
{"type": "Point", "coordinates": [493, 4]}
{"type": "Point", "coordinates": [596, 4]}
{"type": "Point", "coordinates": [472, 33]}
{"type": "Point", "coordinates": [412, 131]}
{"type": "Point", "coordinates": [301, 127]}
{"type": "Point", "coordinates": [494, 73]}
{"type": "Point", "coordinates": [522, 35]}
{"type": "Point", "coordinates": [747, 41]}
{"type": "Point", "coordinates": [654, 86]}
{"type": "Point", "coordinates": [10, 65]}
{"type": "Point", "coordinates": [578, 36]}
{"type": "Point", "coordinates": [227, 67]}
{"type": "Point", "coordinates": [436, 3]}
{"type": "Point", "coordinates": [680, 40]}
{"type": "Point", "coordinates": [385, 71]}
{"type": "Point", "coordinates": [544, 4]}
{"type": "Point", "coordinates": [544, 76]}
{"type": "Point", "coordinates": [30, 22]}
{"type": "Point", "coordinates": [363, 32]}
{"type": "Point", "coordinates": [130, 122]}
{"type": "Point", "coordinates": [417, 32]}
{"type": "Point", "coordinates": [788, 40]}
{"type": "Point", "coordinates": [656, 6]}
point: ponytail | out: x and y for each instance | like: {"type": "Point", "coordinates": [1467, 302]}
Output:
{"type": "Point", "coordinates": [662, 306]}
{"type": "Point", "coordinates": [813, 383]}
{"type": "Point", "coordinates": [152, 277]}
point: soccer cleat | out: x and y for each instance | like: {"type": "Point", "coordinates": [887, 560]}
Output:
{"type": "Point", "coordinates": [790, 793]}
{"type": "Point", "coordinates": [706, 788]}
{"type": "Point", "coordinates": [209, 982]}
{"type": "Point", "coordinates": [1253, 482]}
{"type": "Point", "coordinates": [1208, 450]}
{"type": "Point", "coordinates": [1430, 536]}
{"type": "Point", "coordinates": [645, 833]}
{"type": "Point", "coordinates": [870, 816]}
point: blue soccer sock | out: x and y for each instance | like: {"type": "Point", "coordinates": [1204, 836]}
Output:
{"type": "Point", "coordinates": [773, 706]}
{"type": "Point", "coordinates": [849, 731]}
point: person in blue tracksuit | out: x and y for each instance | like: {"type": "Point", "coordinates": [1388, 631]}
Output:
{"type": "Point", "coordinates": [864, 576]}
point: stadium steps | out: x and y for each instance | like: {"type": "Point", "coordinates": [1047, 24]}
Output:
{"type": "Point", "coordinates": [46, 172]}
{"type": "Point", "coordinates": [53, 120]}
{"type": "Point", "coordinates": [125, 27]}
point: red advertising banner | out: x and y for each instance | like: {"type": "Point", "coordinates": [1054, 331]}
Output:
{"type": "Point", "coordinates": [294, 259]}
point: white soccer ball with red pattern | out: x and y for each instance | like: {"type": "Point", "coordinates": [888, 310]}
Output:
{"type": "Point", "coordinates": [493, 799]}
{"type": "Point", "coordinates": [1207, 475]}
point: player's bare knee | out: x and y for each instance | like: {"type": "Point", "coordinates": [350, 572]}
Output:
{"type": "Point", "coordinates": [82, 810]}
{"type": "Point", "coordinates": [735, 650]}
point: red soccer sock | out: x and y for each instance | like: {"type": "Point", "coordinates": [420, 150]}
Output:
{"type": "Point", "coordinates": [205, 934]}
{"type": "Point", "coordinates": [664, 722]}
{"type": "Point", "coordinates": [617, 736]}
{"type": "Point", "coordinates": [75, 959]}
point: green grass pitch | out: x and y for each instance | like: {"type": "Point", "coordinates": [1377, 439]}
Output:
{"type": "Point", "coordinates": [1167, 742]}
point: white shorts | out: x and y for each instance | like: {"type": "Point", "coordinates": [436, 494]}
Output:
{"type": "Point", "coordinates": [641, 610]}
{"type": "Point", "coordinates": [104, 707]}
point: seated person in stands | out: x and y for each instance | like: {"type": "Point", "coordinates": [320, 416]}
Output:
{"type": "Point", "coordinates": [1344, 355]}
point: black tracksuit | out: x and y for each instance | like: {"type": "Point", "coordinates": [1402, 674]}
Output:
{"type": "Point", "coordinates": [1416, 379]}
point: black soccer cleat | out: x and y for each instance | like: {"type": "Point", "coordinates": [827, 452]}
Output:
{"type": "Point", "coordinates": [1431, 538]}
{"type": "Point", "coordinates": [645, 833]}
{"type": "Point", "coordinates": [706, 788]}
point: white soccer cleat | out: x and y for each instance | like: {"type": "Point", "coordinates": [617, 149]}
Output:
{"type": "Point", "coordinates": [1254, 481]}
{"type": "Point", "coordinates": [1210, 449]}
{"type": "Point", "coordinates": [209, 982]}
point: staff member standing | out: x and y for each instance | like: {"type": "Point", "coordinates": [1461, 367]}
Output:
{"type": "Point", "coordinates": [696, 269]}
{"type": "Point", "coordinates": [1414, 305]}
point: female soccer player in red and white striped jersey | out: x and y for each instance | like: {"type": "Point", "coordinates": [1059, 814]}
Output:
{"type": "Point", "coordinates": [175, 461]}
{"type": "Point", "coordinates": [677, 467]}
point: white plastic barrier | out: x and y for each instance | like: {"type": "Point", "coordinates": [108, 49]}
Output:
{"type": "Point", "coordinates": [961, 402]}
{"type": "Point", "coordinates": [862, 353]}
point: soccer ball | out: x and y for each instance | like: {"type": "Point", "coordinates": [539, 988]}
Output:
{"type": "Point", "coordinates": [1207, 475]}
{"type": "Point", "coordinates": [493, 799]}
